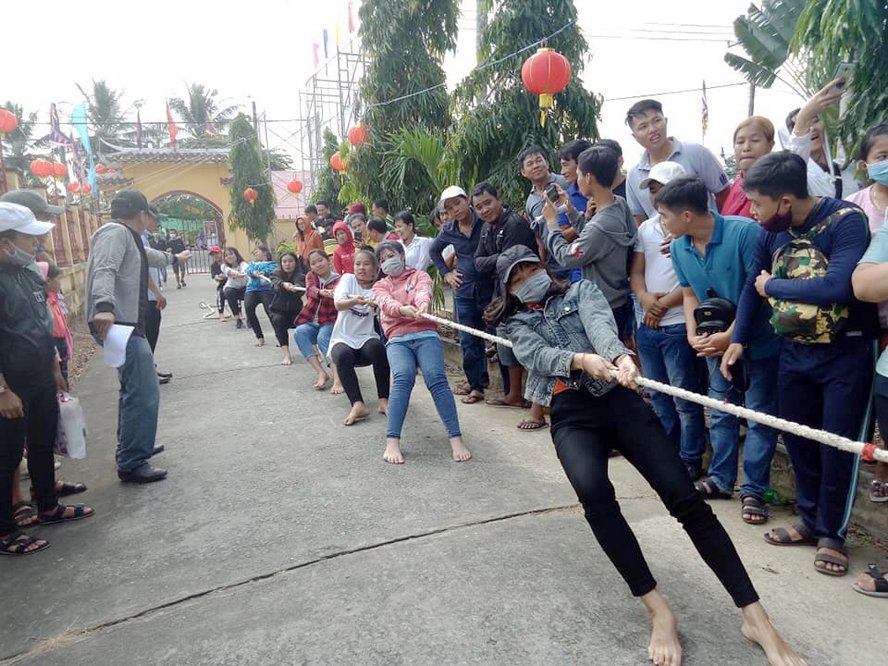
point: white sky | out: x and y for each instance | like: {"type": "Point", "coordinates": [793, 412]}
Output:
{"type": "Point", "coordinates": [262, 51]}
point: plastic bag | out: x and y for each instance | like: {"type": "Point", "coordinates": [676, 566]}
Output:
{"type": "Point", "coordinates": [71, 437]}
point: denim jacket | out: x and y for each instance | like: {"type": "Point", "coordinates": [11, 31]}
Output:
{"type": "Point", "coordinates": [544, 341]}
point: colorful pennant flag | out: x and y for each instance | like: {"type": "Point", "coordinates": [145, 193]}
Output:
{"type": "Point", "coordinates": [57, 138]}
{"type": "Point", "coordinates": [351, 19]}
{"type": "Point", "coordinates": [174, 129]}
{"type": "Point", "coordinates": [314, 50]}
{"type": "Point", "coordinates": [326, 38]}
{"type": "Point", "coordinates": [138, 129]}
{"type": "Point", "coordinates": [705, 117]}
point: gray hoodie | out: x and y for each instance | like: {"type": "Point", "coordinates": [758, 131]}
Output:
{"type": "Point", "coordinates": [117, 274]}
{"type": "Point", "coordinates": [602, 250]}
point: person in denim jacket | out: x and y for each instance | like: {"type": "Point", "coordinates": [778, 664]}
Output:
{"type": "Point", "coordinates": [566, 337]}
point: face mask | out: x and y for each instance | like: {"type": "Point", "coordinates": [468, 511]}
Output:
{"type": "Point", "coordinates": [18, 257]}
{"type": "Point", "coordinates": [393, 266]}
{"type": "Point", "coordinates": [534, 288]}
{"type": "Point", "coordinates": [878, 171]}
{"type": "Point", "coordinates": [778, 222]}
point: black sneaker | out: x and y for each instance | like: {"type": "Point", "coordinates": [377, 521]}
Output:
{"type": "Point", "coordinates": [239, 323]}
{"type": "Point", "coordinates": [144, 474]}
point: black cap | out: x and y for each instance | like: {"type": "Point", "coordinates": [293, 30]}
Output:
{"type": "Point", "coordinates": [511, 257]}
{"type": "Point", "coordinates": [128, 203]}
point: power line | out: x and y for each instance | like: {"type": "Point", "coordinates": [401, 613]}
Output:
{"type": "Point", "coordinates": [675, 92]}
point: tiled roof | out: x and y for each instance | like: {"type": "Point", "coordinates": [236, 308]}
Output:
{"type": "Point", "coordinates": [113, 180]}
{"type": "Point", "coordinates": [170, 155]}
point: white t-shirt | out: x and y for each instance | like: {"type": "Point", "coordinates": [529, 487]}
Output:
{"type": "Point", "coordinates": [232, 281]}
{"type": "Point", "coordinates": [659, 276]}
{"type": "Point", "coordinates": [354, 326]}
{"type": "Point", "coordinates": [417, 253]}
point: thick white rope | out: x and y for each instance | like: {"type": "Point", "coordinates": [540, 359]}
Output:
{"type": "Point", "coordinates": [866, 450]}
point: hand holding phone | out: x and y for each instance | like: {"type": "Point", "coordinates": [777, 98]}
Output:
{"type": "Point", "coordinates": [552, 193]}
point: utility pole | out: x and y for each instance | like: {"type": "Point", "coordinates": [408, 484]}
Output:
{"type": "Point", "coordinates": [480, 27]}
{"type": "Point", "coordinates": [255, 120]}
{"type": "Point", "coordinates": [751, 99]}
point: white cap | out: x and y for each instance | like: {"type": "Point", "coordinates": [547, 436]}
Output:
{"type": "Point", "coordinates": [18, 218]}
{"type": "Point", "coordinates": [452, 192]}
{"type": "Point", "coordinates": [662, 173]}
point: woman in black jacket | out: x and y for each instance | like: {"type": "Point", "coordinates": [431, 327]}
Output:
{"type": "Point", "coordinates": [288, 283]}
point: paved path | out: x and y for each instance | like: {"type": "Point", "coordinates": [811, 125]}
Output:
{"type": "Point", "coordinates": [282, 537]}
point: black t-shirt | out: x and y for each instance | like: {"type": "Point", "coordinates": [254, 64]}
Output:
{"type": "Point", "coordinates": [620, 190]}
{"type": "Point", "coordinates": [216, 269]}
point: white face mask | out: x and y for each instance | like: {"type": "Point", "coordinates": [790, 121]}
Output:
{"type": "Point", "coordinates": [393, 266]}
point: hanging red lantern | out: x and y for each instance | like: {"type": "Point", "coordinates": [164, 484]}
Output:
{"type": "Point", "coordinates": [110, 172]}
{"type": "Point", "coordinates": [337, 164]}
{"type": "Point", "coordinates": [358, 135]}
{"type": "Point", "coordinates": [295, 186]}
{"type": "Point", "coordinates": [86, 188]}
{"type": "Point", "coordinates": [251, 195]}
{"type": "Point", "coordinates": [74, 187]}
{"type": "Point", "coordinates": [8, 121]}
{"type": "Point", "coordinates": [41, 168]}
{"type": "Point", "coordinates": [101, 168]}
{"type": "Point", "coordinates": [546, 73]}
{"type": "Point", "coordinates": [59, 170]}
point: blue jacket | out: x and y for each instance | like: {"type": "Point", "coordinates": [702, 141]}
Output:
{"type": "Point", "coordinates": [465, 247]}
{"type": "Point", "coordinates": [545, 340]}
{"type": "Point", "coordinates": [265, 268]}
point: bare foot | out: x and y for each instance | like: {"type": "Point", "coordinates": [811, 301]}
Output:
{"type": "Point", "coordinates": [383, 406]}
{"type": "Point", "coordinates": [260, 342]}
{"type": "Point", "coordinates": [287, 360]}
{"type": "Point", "coordinates": [757, 628]}
{"type": "Point", "coordinates": [460, 452]}
{"type": "Point", "coordinates": [664, 648]}
{"type": "Point", "coordinates": [392, 452]}
{"type": "Point", "coordinates": [336, 389]}
{"type": "Point", "coordinates": [358, 411]}
{"type": "Point", "coordinates": [321, 381]}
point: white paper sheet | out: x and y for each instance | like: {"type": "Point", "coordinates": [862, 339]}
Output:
{"type": "Point", "coordinates": [115, 344]}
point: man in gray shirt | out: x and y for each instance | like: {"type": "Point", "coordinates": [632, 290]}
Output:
{"type": "Point", "coordinates": [649, 128]}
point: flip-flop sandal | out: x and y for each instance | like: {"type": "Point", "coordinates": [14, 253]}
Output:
{"type": "Point", "coordinates": [709, 489]}
{"type": "Point", "coordinates": [462, 389]}
{"type": "Point", "coordinates": [832, 544]}
{"type": "Point", "coordinates": [21, 541]}
{"type": "Point", "coordinates": [57, 515]}
{"type": "Point", "coordinates": [782, 537]}
{"type": "Point", "coordinates": [472, 398]}
{"type": "Point", "coordinates": [752, 506]}
{"type": "Point", "coordinates": [65, 488]}
{"type": "Point", "coordinates": [878, 491]}
{"type": "Point", "coordinates": [500, 402]}
{"type": "Point", "coordinates": [877, 575]}
{"type": "Point", "coordinates": [532, 424]}
{"type": "Point", "coordinates": [24, 514]}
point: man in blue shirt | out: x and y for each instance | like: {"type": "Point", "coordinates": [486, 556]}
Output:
{"type": "Point", "coordinates": [470, 295]}
{"type": "Point", "coordinates": [803, 266]}
{"type": "Point", "coordinates": [713, 256]}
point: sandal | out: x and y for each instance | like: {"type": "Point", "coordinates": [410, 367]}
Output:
{"type": "Point", "coordinates": [501, 402]}
{"type": "Point", "coordinates": [780, 536]}
{"type": "Point", "coordinates": [709, 489]}
{"type": "Point", "coordinates": [24, 514]}
{"type": "Point", "coordinates": [878, 491]}
{"type": "Point", "coordinates": [825, 558]}
{"type": "Point", "coordinates": [753, 510]}
{"type": "Point", "coordinates": [462, 389]}
{"type": "Point", "coordinates": [532, 424]}
{"type": "Point", "coordinates": [881, 584]}
{"type": "Point", "coordinates": [57, 515]}
{"type": "Point", "coordinates": [18, 542]}
{"type": "Point", "coordinates": [471, 398]}
{"type": "Point", "coordinates": [64, 488]}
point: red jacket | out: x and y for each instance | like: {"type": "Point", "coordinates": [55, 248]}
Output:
{"type": "Point", "coordinates": [411, 287]}
{"type": "Point", "coordinates": [344, 255]}
{"type": "Point", "coordinates": [315, 303]}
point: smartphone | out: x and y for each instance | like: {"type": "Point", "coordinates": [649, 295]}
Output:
{"type": "Point", "coordinates": [844, 71]}
{"type": "Point", "coordinates": [552, 194]}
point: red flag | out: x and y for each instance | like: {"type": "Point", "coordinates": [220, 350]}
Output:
{"type": "Point", "coordinates": [174, 131]}
{"type": "Point", "coordinates": [314, 48]}
{"type": "Point", "coordinates": [138, 129]}
{"type": "Point", "coordinates": [351, 20]}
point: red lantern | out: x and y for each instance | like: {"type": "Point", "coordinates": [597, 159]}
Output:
{"type": "Point", "coordinates": [74, 187]}
{"type": "Point", "coordinates": [358, 135]}
{"type": "Point", "coordinates": [337, 164]}
{"type": "Point", "coordinates": [59, 170]}
{"type": "Point", "coordinates": [100, 168]}
{"type": "Point", "coordinates": [110, 172]}
{"type": "Point", "coordinates": [41, 168]}
{"type": "Point", "coordinates": [86, 188]}
{"type": "Point", "coordinates": [295, 186]}
{"type": "Point", "coordinates": [545, 73]}
{"type": "Point", "coordinates": [8, 122]}
{"type": "Point", "coordinates": [251, 195]}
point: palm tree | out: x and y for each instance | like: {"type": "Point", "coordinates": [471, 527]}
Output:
{"type": "Point", "coordinates": [202, 112]}
{"type": "Point", "coordinates": [105, 114]}
{"type": "Point", "coordinates": [417, 166]}
{"type": "Point", "coordinates": [17, 145]}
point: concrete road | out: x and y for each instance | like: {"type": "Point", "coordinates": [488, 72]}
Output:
{"type": "Point", "coordinates": [281, 537]}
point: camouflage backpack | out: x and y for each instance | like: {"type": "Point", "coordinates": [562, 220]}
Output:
{"type": "Point", "coordinates": [801, 259]}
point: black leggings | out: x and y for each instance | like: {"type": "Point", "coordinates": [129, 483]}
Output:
{"type": "Point", "coordinates": [39, 426]}
{"type": "Point", "coordinates": [282, 322]}
{"type": "Point", "coordinates": [347, 359]}
{"type": "Point", "coordinates": [584, 429]}
{"type": "Point", "coordinates": [234, 295]}
{"type": "Point", "coordinates": [220, 298]}
{"type": "Point", "coordinates": [251, 302]}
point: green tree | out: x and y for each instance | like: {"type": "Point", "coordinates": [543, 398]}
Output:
{"type": "Point", "coordinates": [201, 111]}
{"type": "Point", "coordinates": [105, 113]}
{"type": "Point", "coordinates": [833, 31]}
{"type": "Point", "coordinates": [187, 207]}
{"type": "Point", "coordinates": [248, 170]}
{"type": "Point", "coordinates": [329, 182]}
{"type": "Point", "coordinates": [406, 41]}
{"type": "Point", "coordinates": [416, 165]}
{"type": "Point", "coordinates": [497, 116]}
{"type": "Point", "coordinates": [19, 145]}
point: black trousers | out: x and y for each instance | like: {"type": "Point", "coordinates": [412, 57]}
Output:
{"type": "Point", "coordinates": [234, 296]}
{"type": "Point", "coordinates": [251, 302]}
{"type": "Point", "coordinates": [39, 427]}
{"type": "Point", "coordinates": [152, 324]}
{"type": "Point", "coordinates": [220, 297]}
{"type": "Point", "coordinates": [347, 359]}
{"type": "Point", "coordinates": [282, 322]}
{"type": "Point", "coordinates": [584, 429]}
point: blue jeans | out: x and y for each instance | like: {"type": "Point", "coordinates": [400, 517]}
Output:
{"type": "Point", "coordinates": [468, 313]}
{"type": "Point", "coordinates": [306, 336]}
{"type": "Point", "coordinates": [404, 354]}
{"type": "Point", "coordinates": [724, 430]}
{"type": "Point", "coordinates": [667, 357]}
{"type": "Point", "coordinates": [137, 406]}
